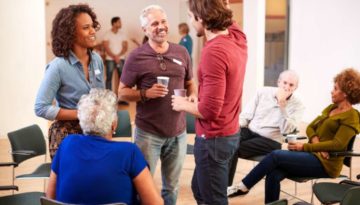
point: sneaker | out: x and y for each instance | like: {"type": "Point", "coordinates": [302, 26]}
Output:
{"type": "Point", "coordinates": [234, 191]}
{"type": "Point", "coordinates": [231, 189]}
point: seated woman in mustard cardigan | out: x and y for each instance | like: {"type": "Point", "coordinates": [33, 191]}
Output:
{"type": "Point", "coordinates": [331, 131]}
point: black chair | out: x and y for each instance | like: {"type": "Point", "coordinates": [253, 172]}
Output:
{"type": "Point", "coordinates": [190, 129]}
{"type": "Point", "coordinates": [29, 198]}
{"type": "Point", "coordinates": [47, 201]}
{"type": "Point", "coordinates": [331, 193]}
{"type": "Point", "coordinates": [347, 162]}
{"type": "Point", "coordinates": [279, 202]}
{"type": "Point", "coordinates": [27, 143]}
{"type": "Point", "coordinates": [190, 123]}
{"type": "Point", "coordinates": [124, 128]}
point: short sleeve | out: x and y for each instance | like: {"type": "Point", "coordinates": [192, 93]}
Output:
{"type": "Point", "coordinates": [138, 162]}
{"type": "Point", "coordinates": [129, 75]}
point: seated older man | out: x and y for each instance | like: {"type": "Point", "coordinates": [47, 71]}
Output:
{"type": "Point", "coordinates": [274, 111]}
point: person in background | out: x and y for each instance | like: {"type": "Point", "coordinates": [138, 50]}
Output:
{"type": "Point", "coordinates": [160, 132]}
{"type": "Point", "coordinates": [74, 71]}
{"type": "Point", "coordinates": [186, 39]}
{"type": "Point", "coordinates": [273, 111]}
{"type": "Point", "coordinates": [102, 171]}
{"type": "Point", "coordinates": [116, 46]}
{"type": "Point", "coordinates": [330, 131]}
{"type": "Point", "coordinates": [221, 76]}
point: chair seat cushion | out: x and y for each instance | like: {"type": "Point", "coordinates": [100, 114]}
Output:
{"type": "Point", "coordinates": [43, 171]}
{"type": "Point", "coordinates": [29, 198]}
{"type": "Point", "coordinates": [328, 192]}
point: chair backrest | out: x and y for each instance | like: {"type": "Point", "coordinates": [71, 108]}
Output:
{"type": "Point", "coordinates": [279, 202]}
{"type": "Point", "coordinates": [47, 201]}
{"type": "Point", "coordinates": [124, 125]}
{"type": "Point", "coordinates": [350, 147]}
{"type": "Point", "coordinates": [190, 123]}
{"type": "Point", "coordinates": [352, 196]}
{"type": "Point", "coordinates": [27, 139]}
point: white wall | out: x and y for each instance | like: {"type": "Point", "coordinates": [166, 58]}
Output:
{"type": "Point", "coordinates": [324, 39]}
{"type": "Point", "coordinates": [22, 62]}
{"type": "Point", "coordinates": [254, 28]}
{"type": "Point", "coordinates": [127, 10]}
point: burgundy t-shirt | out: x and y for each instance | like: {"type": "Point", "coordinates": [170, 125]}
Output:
{"type": "Point", "coordinates": [141, 68]}
{"type": "Point", "coordinates": [221, 77]}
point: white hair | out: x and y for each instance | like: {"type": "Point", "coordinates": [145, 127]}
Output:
{"type": "Point", "coordinates": [97, 111]}
{"type": "Point", "coordinates": [145, 12]}
{"type": "Point", "coordinates": [291, 73]}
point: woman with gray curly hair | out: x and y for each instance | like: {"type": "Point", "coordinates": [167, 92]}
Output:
{"type": "Point", "coordinates": [102, 171]}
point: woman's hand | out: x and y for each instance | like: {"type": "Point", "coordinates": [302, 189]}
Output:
{"type": "Point", "coordinates": [296, 146]}
{"type": "Point", "coordinates": [325, 155]}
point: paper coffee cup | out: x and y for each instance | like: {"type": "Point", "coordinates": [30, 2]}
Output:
{"type": "Point", "coordinates": [163, 80]}
{"type": "Point", "coordinates": [180, 92]}
{"type": "Point", "coordinates": [291, 138]}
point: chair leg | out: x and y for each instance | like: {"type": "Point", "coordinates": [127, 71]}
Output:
{"type": "Point", "coordinates": [44, 185]}
{"type": "Point", "coordinates": [312, 192]}
{"type": "Point", "coordinates": [13, 179]}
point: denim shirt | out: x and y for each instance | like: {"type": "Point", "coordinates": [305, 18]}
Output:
{"type": "Point", "coordinates": [65, 81]}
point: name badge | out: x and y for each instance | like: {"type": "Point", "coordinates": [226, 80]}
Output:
{"type": "Point", "coordinates": [97, 72]}
{"type": "Point", "coordinates": [177, 61]}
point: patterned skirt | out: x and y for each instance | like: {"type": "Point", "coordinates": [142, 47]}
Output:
{"type": "Point", "coordinates": [59, 130]}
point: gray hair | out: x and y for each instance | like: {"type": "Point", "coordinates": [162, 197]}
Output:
{"type": "Point", "coordinates": [145, 12]}
{"type": "Point", "coordinates": [97, 111]}
{"type": "Point", "coordinates": [291, 73]}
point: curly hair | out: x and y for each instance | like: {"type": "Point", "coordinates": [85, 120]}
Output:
{"type": "Point", "coordinates": [349, 83]}
{"type": "Point", "coordinates": [214, 13]}
{"type": "Point", "coordinates": [64, 26]}
{"type": "Point", "coordinates": [97, 111]}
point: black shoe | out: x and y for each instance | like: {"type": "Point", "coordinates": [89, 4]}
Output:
{"type": "Point", "coordinates": [239, 192]}
{"type": "Point", "coordinates": [123, 103]}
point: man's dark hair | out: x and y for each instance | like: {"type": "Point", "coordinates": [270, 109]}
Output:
{"type": "Point", "coordinates": [214, 13]}
{"type": "Point", "coordinates": [114, 20]}
{"type": "Point", "coordinates": [64, 27]}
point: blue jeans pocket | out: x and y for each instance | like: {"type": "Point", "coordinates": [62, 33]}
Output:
{"type": "Point", "coordinates": [221, 149]}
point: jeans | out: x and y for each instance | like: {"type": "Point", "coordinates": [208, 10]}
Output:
{"type": "Point", "coordinates": [210, 179]}
{"type": "Point", "coordinates": [280, 164]}
{"type": "Point", "coordinates": [110, 67]}
{"type": "Point", "coordinates": [172, 152]}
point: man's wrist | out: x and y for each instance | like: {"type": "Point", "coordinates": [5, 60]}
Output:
{"type": "Point", "coordinates": [143, 95]}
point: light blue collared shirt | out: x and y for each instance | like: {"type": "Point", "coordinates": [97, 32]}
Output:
{"type": "Point", "coordinates": [65, 81]}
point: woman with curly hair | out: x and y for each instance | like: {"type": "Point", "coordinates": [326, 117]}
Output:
{"type": "Point", "coordinates": [330, 131]}
{"type": "Point", "coordinates": [71, 74]}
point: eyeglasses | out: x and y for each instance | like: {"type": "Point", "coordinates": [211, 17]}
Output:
{"type": "Point", "coordinates": [162, 62]}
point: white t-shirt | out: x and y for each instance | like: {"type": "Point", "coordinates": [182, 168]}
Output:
{"type": "Point", "coordinates": [115, 42]}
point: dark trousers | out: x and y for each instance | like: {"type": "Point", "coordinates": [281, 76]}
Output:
{"type": "Point", "coordinates": [110, 68]}
{"type": "Point", "coordinates": [251, 144]}
{"type": "Point", "coordinates": [279, 164]}
{"type": "Point", "coordinates": [210, 177]}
